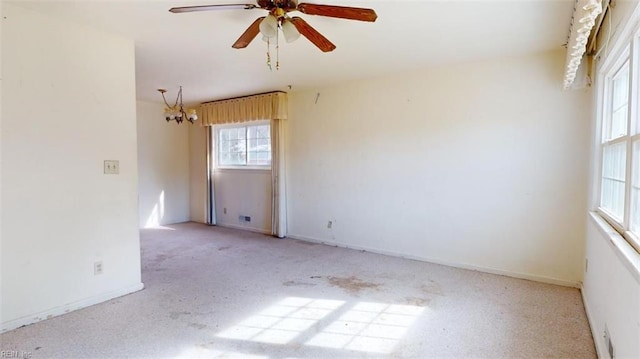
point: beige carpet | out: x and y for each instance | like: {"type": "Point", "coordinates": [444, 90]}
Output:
{"type": "Point", "coordinates": [215, 292]}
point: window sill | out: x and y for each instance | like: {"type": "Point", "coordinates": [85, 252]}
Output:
{"type": "Point", "coordinates": [627, 254]}
{"type": "Point", "coordinates": [248, 168]}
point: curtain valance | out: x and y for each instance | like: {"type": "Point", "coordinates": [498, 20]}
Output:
{"type": "Point", "coordinates": [267, 106]}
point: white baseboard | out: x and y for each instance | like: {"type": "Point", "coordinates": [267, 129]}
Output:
{"type": "Point", "coordinates": [63, 309]}
{"type": "Point", "coordinates": [250, 229]}
{"type": "Point", "coordinates": [532, 277]}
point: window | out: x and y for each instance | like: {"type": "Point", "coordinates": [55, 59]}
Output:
{"type": "Point", "coordinates": [619, 116]}
{"type": "Point", "coordinates": [244, 146]}
{"type": "Point", "coordinates": [614, 144]}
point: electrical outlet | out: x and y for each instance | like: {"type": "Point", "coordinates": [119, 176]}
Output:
{"type": "Point", "coordinates": [247, 218]}
{"type": "Point", "coordinates": [97, 268]}
{"type": "Point", "coordinates": [329, 224]}
{"type": "Point", "coordinates": [111, 167]}
{"type": "Point", "coordinates": [224, 210]}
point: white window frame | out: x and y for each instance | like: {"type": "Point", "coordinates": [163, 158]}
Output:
{"type": "Point", "coordinates": [216, 136]}
{"type": "Point", "coordinates": [627, 49]}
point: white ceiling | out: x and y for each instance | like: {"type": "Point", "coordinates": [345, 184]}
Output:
{"type": "Point", "coordinates": [194, 49]}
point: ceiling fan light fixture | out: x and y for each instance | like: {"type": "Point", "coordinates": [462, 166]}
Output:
{"type": "Point", "coordinates": [290, 31]}
{"type": "Point", "coordinates": [269, 26]}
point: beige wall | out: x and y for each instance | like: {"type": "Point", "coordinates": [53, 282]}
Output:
{"type": "Point", "coordinates": [243, 193]}
{"type": "Point", "coordinates": [480, 165]}
{"type": "Point", "coordinates": [68, 96]}
{"type": "Point", "coordinates": [163, 166]}
{"type": "Point", "coordinates": [198, 173]}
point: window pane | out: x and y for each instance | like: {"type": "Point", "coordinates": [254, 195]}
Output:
{"type": "Point", "coordinates": [237, 146]}
{"type": "Point", "coordinates": [252, 158]}
{"type": "Point", "coordinates": [224, 135]}
{"type": "Point", "coordinates": [264, 131]}
{"type": "Point", "coordinates": [252, 144]}
{"type": "Point", "coordinates": [635, 189]}
{"type": "Point", "coordinates": [225, 146]}
{"type": "Point", "coordinates": [613, 179]}
{"type": "Point", "coordinates": [619, 122]}
{"type": "Point", "coordinates": [264, 157]}
{"type": "Point", "coordinates": [258, 158]}
{"type": "Point", "coordinates": [244, 145]}
{"type": "Point", "coordinates": [224, 159]}
{"type": "Point", "coordinates": [618, 113]}
{"type": "Point", "coordinates": [237, 158]}
{"type": "Point", "coordinates": [621, 87]}
{"type": "Point", "coordinates": [253, 131]}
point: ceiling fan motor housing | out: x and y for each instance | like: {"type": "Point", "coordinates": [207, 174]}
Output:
{"type": "Point", "coordinates": [286, 5]}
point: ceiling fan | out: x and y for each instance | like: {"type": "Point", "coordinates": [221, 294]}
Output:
{"type": "Point", "coordinates": [278, 17]}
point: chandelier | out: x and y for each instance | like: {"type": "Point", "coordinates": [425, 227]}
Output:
{"type": "Point", "coordinates": [177, 111]}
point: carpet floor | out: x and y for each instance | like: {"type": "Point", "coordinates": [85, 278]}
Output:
{"type": "Point", "coordinates": [212, 292]}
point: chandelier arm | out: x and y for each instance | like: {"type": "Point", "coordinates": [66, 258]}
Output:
{"type": "Point", "coordinates": [165, 100]}
{"type": "Point", "coordinates": [184, 114]}
{"type": "Point", "coordinates": [177, 97]}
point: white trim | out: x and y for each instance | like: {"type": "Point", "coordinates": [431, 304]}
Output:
{"type": "Point", "coordinates": [63, 309]}
{"type": "Point", "coordinates": [612, 220]}
{"type": "Point", "coordinates": [216, 132]}
{"type": "Point", "coordinates": [532, 277]}
{"type": "Point", "coordinates": [623, 249]}
{"type": "Point", "coordinates": [244, 170]}
{"type": "Point", "coordinates": [625, 52]}
{"type": "Point", "coordinates": [243, 228]}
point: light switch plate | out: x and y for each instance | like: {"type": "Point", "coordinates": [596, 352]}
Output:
{"type": "Point", "coordinates": [111, 167]}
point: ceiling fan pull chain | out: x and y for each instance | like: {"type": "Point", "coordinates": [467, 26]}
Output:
{"type": "Point", "coordinates": [277, 51]}
{"type": "Point", "coordinates": [269, 55]}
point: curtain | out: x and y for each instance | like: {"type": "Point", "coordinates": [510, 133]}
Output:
{"type": "Point", "coordinates": [211, 200]}
{"type": "Point", "coordinates": [271, 106]}
{"type": "Point", "coordinates": [278, 180]}
{"type": "Point", "coordinates": [265, 106]}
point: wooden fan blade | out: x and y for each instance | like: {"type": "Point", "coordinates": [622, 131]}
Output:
{"type": "Point", "coordinates": [177, 10]}
{"type": "Point", "coordinates": [342, 12]}
{"type": "Point", "coordinates": [249, 34]}
{"type": "Point", "coordinates": [314, 36]}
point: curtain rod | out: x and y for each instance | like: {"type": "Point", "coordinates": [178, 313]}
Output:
{"type": "Point", "coordinates": [239, 97]}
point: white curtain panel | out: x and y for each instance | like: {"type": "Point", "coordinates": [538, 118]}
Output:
{"type": "Point", "coordinates": [211, 200]}
{"type": "Point", "coordinates": [278, 179]}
